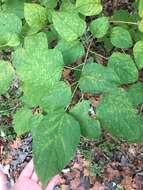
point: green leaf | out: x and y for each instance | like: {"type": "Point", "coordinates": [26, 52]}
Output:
{"type": "Point", "coordinates": [10, 28]}
{"type": "Point", "coordinates": [38, 68]}
{"type": "Point", "coordinates": [24, 120]}
{"type": "Point", "coordinates": [138, 54]}
{"type": "Point", "coordinates": [97, 78]}
{"type": "Point", "coordinates": [16, 7]}
{"type": "Point", "coordinates": [140, 8]}
{"type": "Point", "coordinates": [10, 23]}
{"type": "Point", "coordinates": [37, 64]}
{"type": "Point", "coordinates": [35, 16]}
{"type": "Point", "coordinates": [38, 42]}
{"type": "Point", "coordinates": [71, 51]}
{"type": "Point", "coordinates": [99, 27]}
{"type": "Point", "coordinates": [50, 97]}
{"type": "Point", "coordinates": [68, 6]}
{"type": "Point", "coordinates": [135, 93]}
{"type": "Point", "coordinates": [68, 25]}
{"type": "Point", "coordinates": [49, 3]}
{"type": "Point", "coordinates": [6, 76]}
{"type": "Point", "coordinates": [122, 15]}
{"type": "Point", "coordinates": [141, 25]}
{"type": "Point", "coordinates": [90, 128]}
{"type": "Point", "coordinates": [125, 16]}
{"type": "Point", "coordinates": [116, 114]}
{"type": "Point", "coordinates": [9, 40]}
{"type": "Point", "coordinates": [89, 7]}
{"type": "Point", "coordinates": [121, 37]}
{"type": "Point", "coordinates": [54, 144]}
{"type": "Point", "coordinates": [124, 67]}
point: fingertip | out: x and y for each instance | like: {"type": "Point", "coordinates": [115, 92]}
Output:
{"type": "Point", "coordinates": [28, 170]}
{"type": "Point", "coordinates": [3, 181]}
{"type": "Point", "coordinates": [55, 181]}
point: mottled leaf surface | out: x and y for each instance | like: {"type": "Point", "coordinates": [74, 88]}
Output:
{"type": "Point", "coordinates": [49, 3]}
{"type": "Point", "coordinates": [71, 51]}
{"type": "Point", "coordinates": [121, 38]}
{"type": "Point", "coordinates": [37, 67]}
{"type": "Point", "coordinates": [138, 54]}
{"type": "Point", "coordinates": [124, 67]}
{"type": "Point", "coordinates": [135, 93]}
{"type": "Point", "coordinates": [15, 6]}
{"type": "Point", "coordinates": [52, 97]}
{"type": "Point", "coordinates": [24, 120]}
{"type": "Point", "coordinates": [97, 78]}
{"type": "Point", "coordinates": [141, 8]}
{"type": "Point", "coordinates": [54, 144]}
{"type": "Point", "coordinates": [90, 127]}
{"type": "Point", "coordinates": [35, 16]}
{"type": "Point", "coordinates": [89, 7]}
{"type": "Point", "coordinates": [6, 76]}
{"type": "Point", "coordinates": [99, 27]}
{"type": "Point", "coordinates": [116, 113]}
{"type": "Point", "coordinates": [68, 25]}
{"type": "Point", "coordinates": [10, 28]}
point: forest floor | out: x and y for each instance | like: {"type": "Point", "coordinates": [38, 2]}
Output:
{"type": "Point", "coordinates": [106, 164]}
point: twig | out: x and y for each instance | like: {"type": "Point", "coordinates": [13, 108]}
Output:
{"type": "Point", "coordinates": [99, 55]}
{"type": "Point", "coordinates": [123, 22]}
{"type": "Point", "coordinates": [72, 68]}
{"type": "Point", "coordinates": [11, 109]}
{"type": "Point", "coordinates": [87, 53]}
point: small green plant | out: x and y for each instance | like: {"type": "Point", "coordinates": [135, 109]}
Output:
{"type": "Point", "coordinates": [49, 35]}
{"type": "Point", "coordinates": [97, 169]}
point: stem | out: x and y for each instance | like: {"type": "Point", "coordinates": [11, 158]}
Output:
{"type": "Point", "coordinates": [11, 109]}
{"type": "Point", "coordinates": [99, 55]}
{"type": "Point", "coordinates": [72, 68]}
{"type": "Point", "coordinates": [87, 53]}
{"type": "Point", "coordinates": [123, 22]}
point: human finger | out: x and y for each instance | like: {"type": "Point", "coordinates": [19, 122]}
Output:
{"type": "Point", "coordinates": [55, 181]}
{"type": "Point", "coordinates": [28, 170]}
{"type": "Point", "coordinates": [3, 181]}
{"type": "Point", "coordinates": [34, 177]}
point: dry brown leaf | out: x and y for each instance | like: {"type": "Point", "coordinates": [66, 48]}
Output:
{"type": "Point", "coordinates": [98, 186]}
{"type": "Point", "coordinates": [15, 144]}
{"type": "Point", "coordinates": [75, 183]}
{"type": "Point", "coordinates": [127, 183]}
{"type": "Point", "coordinates": [64, 187]}
{"type": "Point", "coordinates": [86, 172]}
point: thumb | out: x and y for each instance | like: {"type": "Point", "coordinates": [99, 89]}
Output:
{"type": "Point", "coordinates": [3, 181]}
{"type": "Point", "coordinates": [55, 181]}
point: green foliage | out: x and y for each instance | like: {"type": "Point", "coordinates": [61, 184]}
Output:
{"type": "Point", "coordinates": [135, 93]}
{"type": "Point", "coordinates": [35, 16]}
{"type": "Point", "coordinates": [89, 7]}
{"type": "Point", "coordinates": [56, 140]}
{"type": "Point", "coordinates": [99, 27]}
{"type": "Point", "coordinates": [96, 78]}
{"type": "Point", "coordinates": [24, 120]}
{"type": "Point", "coordinates": [6, 76]}
{"type": "Point", "coordinates": [68, 25]}
{"type": "Point", "coordinates": [52, 47]}
{"type": "Point", "coordinates": [121, 38]}
{"type": "Point", "coordinates": [138, 54]}
{"type": "Point", "coordinates": [124, 67]}
{"type": "Point", "coordinates": [71, 51]}
{"type": "Point", "coordinates": [49, 3]}
{"type": "Point", "coordinates": [89, 127]}
{"type": "Point", "coordinates": [116, 106]}
{"type": "Point", "coordinates": [10, 27]}
{"type": "Point", "coordinates": [140, 8]}
{"type": "Point", "coordinates": [15, 6]}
